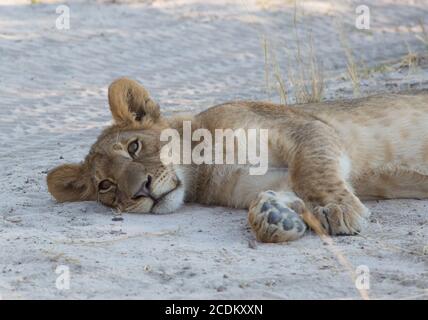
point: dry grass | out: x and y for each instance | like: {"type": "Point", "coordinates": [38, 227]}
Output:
{"type": "Point", "coordinates": [410, 61]}
{"type": "Point", "coordinates": [272, 67]}
{"type": "Point", "coordinates": [305, 81]}
{"type": "Point", "coordinates": [352, 68]}
{"type": "Point", "coordinates": [385, 67]}
{"type": "Point", "coordinates": [267, 69]}
{"type": "Point", "coordinates": [279, 80]}
{"type": "Point", "coordinates": [315, 224]}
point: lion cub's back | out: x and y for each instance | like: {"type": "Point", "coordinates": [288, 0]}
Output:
{"type": "Point", "coordinates": [382, 129]}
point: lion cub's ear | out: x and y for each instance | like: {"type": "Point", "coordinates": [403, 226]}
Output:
{"type": "Point", "coordinates": [69, 182]}
{"type": "Point", "coordinates": [130, 102]}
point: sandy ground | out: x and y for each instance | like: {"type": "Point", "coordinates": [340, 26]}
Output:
{"type": "Point", "coordinates": [190, 54]}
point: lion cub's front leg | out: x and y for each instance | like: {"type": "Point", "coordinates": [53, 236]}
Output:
{"type": "Point", "coordinates": [275, 216]}
{"type": "Point", "coordinates": [330, 199]}
{"type": "Point", "coordinates": [318, 174]}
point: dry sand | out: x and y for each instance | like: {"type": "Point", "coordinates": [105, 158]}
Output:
{"type": "Point", "coordinates": [190, 54]}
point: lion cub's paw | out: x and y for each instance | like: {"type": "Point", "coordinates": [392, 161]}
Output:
{"type": "Point", "coordinates": [342, 219]}
{"type": "Point", "coordinates": [274, 217]}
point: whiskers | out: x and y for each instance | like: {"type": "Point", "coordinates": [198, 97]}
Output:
{"type": "Point", "coordinates": [140, 206]}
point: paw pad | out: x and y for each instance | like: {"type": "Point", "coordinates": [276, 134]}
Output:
{"type": "Point", "coordinates": [273, 220]}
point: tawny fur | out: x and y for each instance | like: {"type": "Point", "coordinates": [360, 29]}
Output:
{"type": "Point", "coordinates": [326, 154]}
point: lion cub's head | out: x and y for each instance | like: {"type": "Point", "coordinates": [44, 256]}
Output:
{"type": "Point", "coordinates": [123, 168]}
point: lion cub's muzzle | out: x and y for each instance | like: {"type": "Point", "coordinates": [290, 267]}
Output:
{"type": "Point", "coordinates": [152, 191]}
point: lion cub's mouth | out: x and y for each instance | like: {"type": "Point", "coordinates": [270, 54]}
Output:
{"type": "Point", "coordinates": [145, 196]}
{"type": "Point", "coordinates": [178, 184]}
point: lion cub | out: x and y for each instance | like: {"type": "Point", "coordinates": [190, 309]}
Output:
{"type": "Point", "coordinates": [322, 159]}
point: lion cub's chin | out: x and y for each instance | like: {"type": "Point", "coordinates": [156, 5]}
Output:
{"type": "Point", "coordinates": [170, 202]}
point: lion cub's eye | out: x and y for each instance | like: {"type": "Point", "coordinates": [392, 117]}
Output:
{"type": "Point", "coordinates": [133, 147]}
{"type": "Point", "coordinates": [105, 185]}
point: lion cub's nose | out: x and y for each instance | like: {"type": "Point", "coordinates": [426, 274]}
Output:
{"type": "Point", "coordinates": [144, 190]}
